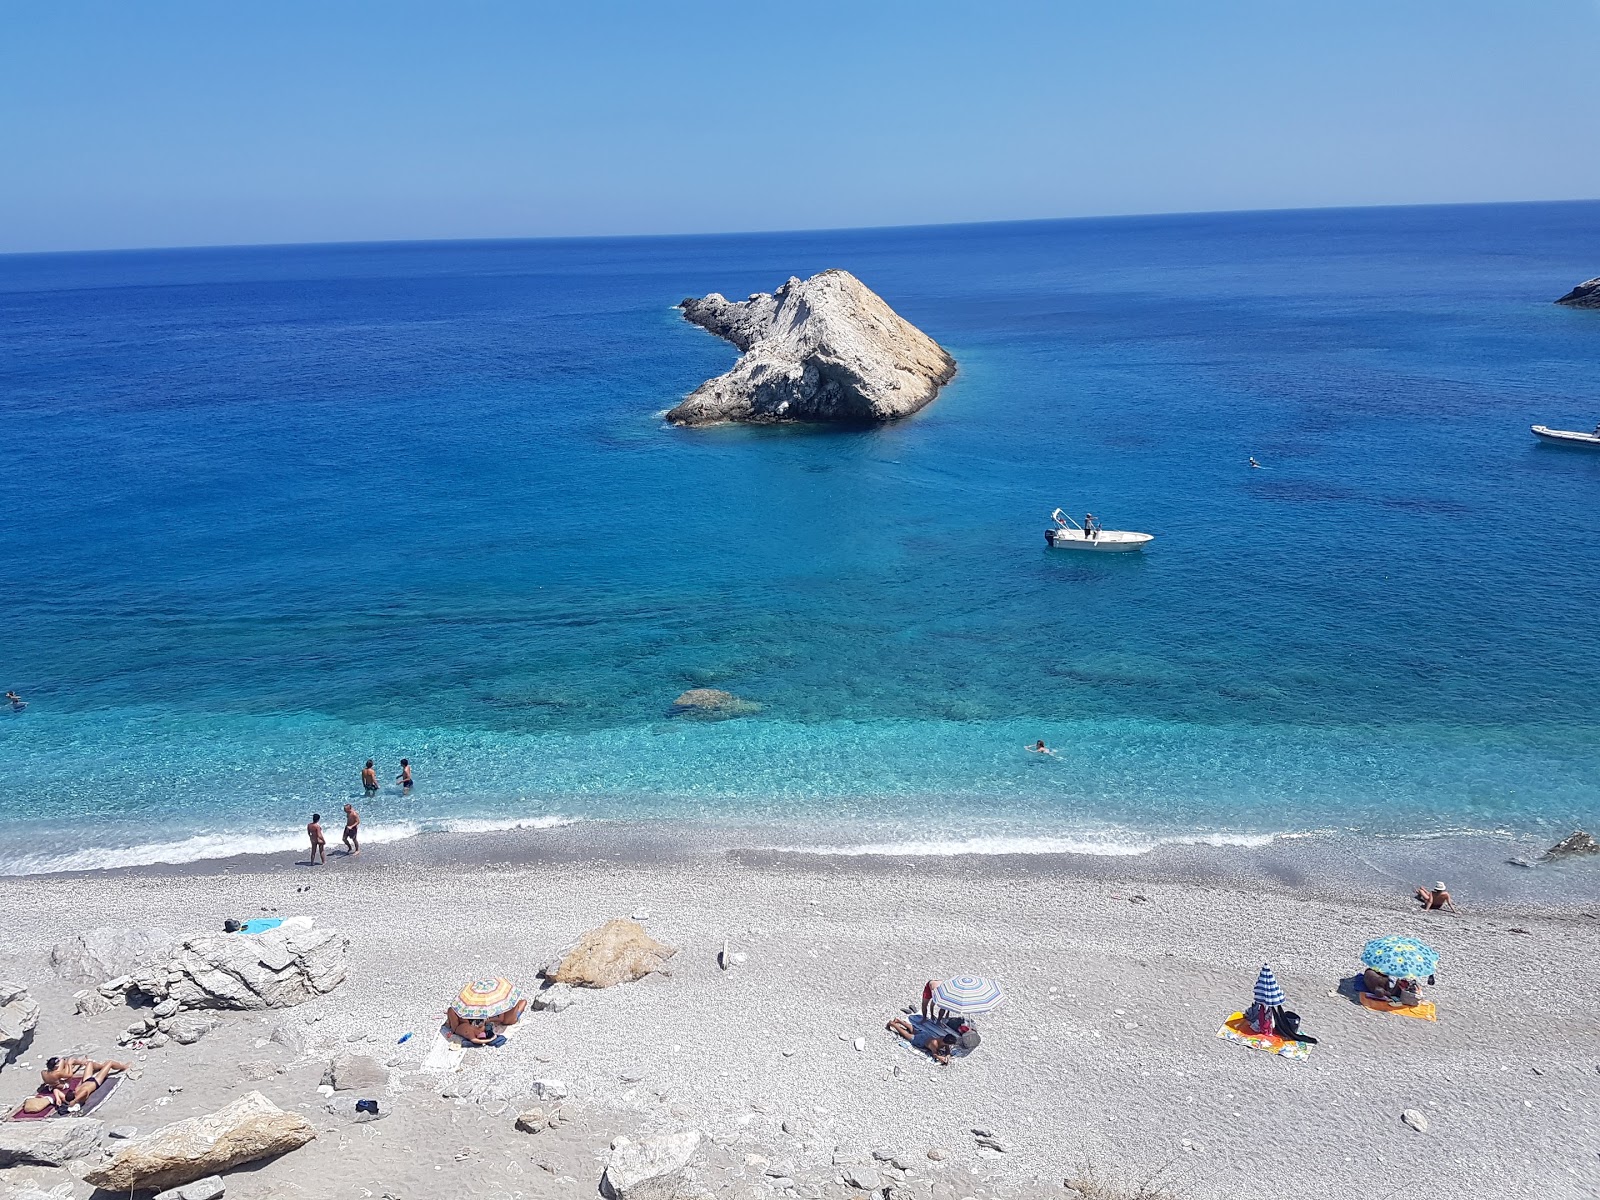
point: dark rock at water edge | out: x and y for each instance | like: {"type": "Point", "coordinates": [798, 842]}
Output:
{"type": "Point", "coordinates": [1585, 295]}
{"type": "Point", "coordinates": [1579, 843]}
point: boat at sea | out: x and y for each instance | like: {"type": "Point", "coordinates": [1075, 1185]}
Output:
{"type": "Point", "coordinates": [1067, 534]}
{"type": "Point", "coordinates": [1568, 437]}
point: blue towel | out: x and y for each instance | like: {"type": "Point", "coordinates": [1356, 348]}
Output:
{"type": "Point", "coordinates": [261, 924]}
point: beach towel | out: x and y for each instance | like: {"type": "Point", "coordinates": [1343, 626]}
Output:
{"type": "Point", "coordinates": [95, 1100]}
{"type": "Point", "coordinates": [1422, 1010]}
{"type": "Point", "coordinates": [260, 924]}
{"type": "Point", "coordinates": [445, 1055]}
{"type": "Point", "coordinates": [1235, 1030]}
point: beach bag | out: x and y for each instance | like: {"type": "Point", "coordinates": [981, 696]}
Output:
{"type": "Point", "coordinates": [1288, 1024]}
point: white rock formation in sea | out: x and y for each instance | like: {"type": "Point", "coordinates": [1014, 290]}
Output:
{"type": "Point", "coordinates": [1585, 295]}
{"type": "Point", "coordinates": [820, 349]}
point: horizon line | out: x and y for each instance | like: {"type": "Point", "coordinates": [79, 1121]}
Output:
{"type": "Point", "coordinates": [910, 226]}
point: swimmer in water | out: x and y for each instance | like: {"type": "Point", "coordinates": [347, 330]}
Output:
{"type": "Point", "coordinates": [17, 703]}
{"type": "Point", "coordinates": [404, 778]}
{"type": "Point", "coordinates": [1254, 463]}
{"type": "Point", "coordinates": [369, 779]}
{"type": "Point", "coordinates": [1040, 748]}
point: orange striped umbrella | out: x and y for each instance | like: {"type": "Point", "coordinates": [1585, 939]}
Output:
{"type": "Point", "coordinates": [485, 998]}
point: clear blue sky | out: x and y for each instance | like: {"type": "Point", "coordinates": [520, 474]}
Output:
{"type": "Point", "coordinates": [145, 122]}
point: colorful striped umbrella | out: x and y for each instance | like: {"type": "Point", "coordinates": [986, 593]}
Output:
{"type": "Point", "coordinates": [485, 998]}
{"type": "Point", "coordinates": [1400, 957]}
{"type": "Point", "coordinates": [1267, 990]}
{"type": "Point", "coordinates": [969, 994]}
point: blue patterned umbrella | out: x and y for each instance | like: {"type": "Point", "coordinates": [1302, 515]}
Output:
{"type": "Point", "coordinates": [1400, 957]}
{"type": "Point", "coordinates": [1267, 990]}
{"type": "Point", "coordinates": [968, 994]}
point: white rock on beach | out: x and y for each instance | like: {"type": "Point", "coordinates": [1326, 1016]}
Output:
{"type": "Point", "coordinates": [19, 1014]}
{"type": "Point", "coordinates": [249, 1129]}
{"type": "Point", "coordinates": [48, 1143]}
{"type": "Point", "coordinates": [651, 1168]}
{"type": "Point", "coordinates": [821, 349]}
{"type": "Point", "coordinates": [276, 969]}
{"type": "Point", "coordinates": [209, 1188]}
{"type": "Point", "coordinates": [109, 951]}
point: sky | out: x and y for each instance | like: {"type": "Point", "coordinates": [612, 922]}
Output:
{"type": "Point", "coordinates": [166, 124]}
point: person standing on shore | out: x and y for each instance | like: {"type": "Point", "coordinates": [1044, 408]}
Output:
{"type": "Point", "coordinates": [404, 778]}
{"type": "Point", "coordinates": [319, 844]}
{"type": "Point", "coordinates": [352, 830]}
{"type": "Point", "coordinates": [369, 779]}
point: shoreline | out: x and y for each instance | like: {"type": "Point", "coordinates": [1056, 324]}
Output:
{"type": "Point", "coordinates": [1479, 868]}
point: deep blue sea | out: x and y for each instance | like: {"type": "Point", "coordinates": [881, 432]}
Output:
{"type": "Point", "coordinates": [269, 512]}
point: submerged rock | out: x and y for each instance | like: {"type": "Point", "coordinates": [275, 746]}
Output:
{"type": "Point", "coordinates": [714, 702]}
{"type": "Point", "coordinates": [1570, 847]}
{"type": "Point", "coordinates": [821, 349]}
{"type": "Point", "coordinates": [249, 1129]}
{"type": "Point", "coordinates": [619, 951]}
{"type": "Point", "coordinates": [1585, 295]}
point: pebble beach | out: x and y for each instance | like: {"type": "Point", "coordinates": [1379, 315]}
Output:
{"type": "Point", "coordinates": [1104, 1063]}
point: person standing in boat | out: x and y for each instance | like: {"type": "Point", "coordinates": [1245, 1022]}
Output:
{"type": "Point", "coordinates": [1088, 525]}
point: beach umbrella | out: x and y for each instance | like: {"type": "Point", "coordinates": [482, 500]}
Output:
{"type": "Point", "coordinates": [1268, 992]}
{"type": "Point", "coordinates": [485, 998]}
{"type": "Point", "coordinates": [1400, 957]}
{"type": "Point", "coordinates": [968, 994]}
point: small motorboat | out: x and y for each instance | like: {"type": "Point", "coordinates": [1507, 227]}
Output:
{"type": "Point", "coordinates": [1067, 534]}
{"type": "Point", "coordinates": [1568, 437]}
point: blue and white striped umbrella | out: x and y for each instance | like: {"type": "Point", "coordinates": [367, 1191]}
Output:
{"type": "Point", "coordinates": [969, 994]}
{"type": "Point", "coordinates": [1267, 990]}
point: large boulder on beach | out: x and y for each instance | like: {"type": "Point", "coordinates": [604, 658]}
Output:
{"type": "Point", "coordinates": [50, 1143]}
{"type": "Point", "coordinates": [619, 951]}
{"type": "Point", "coordinates": [651, 1168]}
{"type": "Point", "coordinates": [821, 349]}
{"type": "Point", "coordinates": [249, 1129]}
{"type": "Point", "coordinates": [277, 969]}
{"type": "Point", "coordinates": [1585, 295]}
{"type": "Point", "coordinates": [99, 954]}
{"type": "Point", "coordinates": [1575, 846]}
{"type": "Point", "coordinates": [19, 1014]}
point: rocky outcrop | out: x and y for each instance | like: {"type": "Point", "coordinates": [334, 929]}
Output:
{"type": "Point", "coordinates": [1585, 295]}
{"type": "Point", "coordinates": [277, 969]}
{"type": "Point", "coordinates": [652, 1168]}
{"type": "Point", "coordinates": [820, 349]}
{"type": "Point", "coordinates": [104, 953]}
{"type": "Point", "coordinates": [619, 951]}
{"type": "Point", "coordinates": [249, 1129]}
{"type": "Point", "coordinates": [48, 1143]}
{"type": "Point", "coordinates": [713, 702]}
{"type": "Point", "coordinates": [19, 1013]}
{"type": "Point", "coordinates": [1579, 843]}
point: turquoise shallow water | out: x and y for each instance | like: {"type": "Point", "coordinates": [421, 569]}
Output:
{"type": "Point", "coordinates": [273, 511]}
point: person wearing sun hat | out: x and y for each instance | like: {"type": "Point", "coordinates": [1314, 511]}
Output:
{"type": "Point", "coordinates": [1435, 897]}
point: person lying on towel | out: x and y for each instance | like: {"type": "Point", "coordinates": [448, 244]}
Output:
{"type": "Point", "coordinates": [934, 1038]}
{"type": "Point", "coordinates": [68, 1083]}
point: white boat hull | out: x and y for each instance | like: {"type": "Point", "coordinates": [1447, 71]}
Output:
{"type": "Point", "coordinates": [1107, 541]}
{"type": "Point", "coordinates": [1567, 437]}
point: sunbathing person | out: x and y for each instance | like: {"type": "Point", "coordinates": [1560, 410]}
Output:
{"type": "Point", "coordinates": [1435, 897]}
{"type": "Point", "coordinates": [936, 1039]}
{"type": "Point", "coordinates": [68, 1083]}
{"type": "Point", "coordinates": [1375, 983]}
{"type": "Point", "coordinates": [477, 1033]}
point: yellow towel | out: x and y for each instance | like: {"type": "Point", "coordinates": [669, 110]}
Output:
{"type": "Point", "coordinates": [1422, 1010]}
{"type": "Point", "coordinates": [1235, 1030]}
